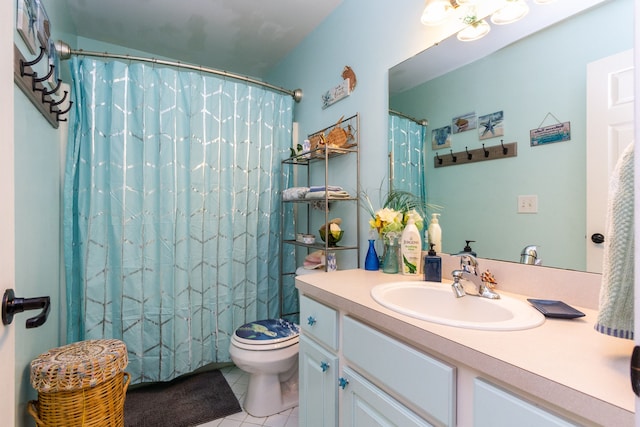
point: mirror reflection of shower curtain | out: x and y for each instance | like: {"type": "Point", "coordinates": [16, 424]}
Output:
{"type": "Point", "coordinates": [171, 215]}
{"type": "Point", "coordinates": [406, 148]}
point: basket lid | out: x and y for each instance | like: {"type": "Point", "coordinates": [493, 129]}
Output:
{"type": "Point", "coordinates": [78, 365]}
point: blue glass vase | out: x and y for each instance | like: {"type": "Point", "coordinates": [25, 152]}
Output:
{"type": "Point", "coordinates": [371, 262]}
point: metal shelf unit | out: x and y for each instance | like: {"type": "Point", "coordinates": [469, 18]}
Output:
{"type": "Point", "coordinates": [304, 215]}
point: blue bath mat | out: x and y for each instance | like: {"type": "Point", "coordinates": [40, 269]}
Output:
{"type": "Point", "coordinates": [186, 401]}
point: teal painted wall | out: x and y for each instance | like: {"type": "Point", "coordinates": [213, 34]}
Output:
{"type": "Point", "coordinates": [370, 37]}
{"type": "Point", "coordinates": [39, 151]}
{"type": "Point", "coordinates": [544, 73]}
{"type": "Point", "coordinates": [373, 38]}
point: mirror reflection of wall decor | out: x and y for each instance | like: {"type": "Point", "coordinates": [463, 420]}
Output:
{"type": "Point", "coordinates": [26, 24]}
{"type": "Point", "coordinates": [557, 132]}
{"type": "Point", "coordinates": [441, 138]}
{"type": "Point", "coordinates": [507, 73]}
{"type": "Point", "coordinates": [464, 123]}
{"type": "Point", "coordinates": [491, 125]}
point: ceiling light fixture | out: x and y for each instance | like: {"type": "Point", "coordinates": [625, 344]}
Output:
{"type": "Point", "coordinates": [436, 11]}
{"type": "Point", "coordinates": [476, 28]}
{"type": "Point", "coordinates": [512, 11]}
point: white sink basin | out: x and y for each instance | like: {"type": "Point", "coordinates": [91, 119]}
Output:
{"type": "Point", "coordinates": [436, 303]}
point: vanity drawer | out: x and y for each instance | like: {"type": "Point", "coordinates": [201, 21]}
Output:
{"type": "Point", "coordinates": [495, 407]}
{"type": "Point", "coordinates": [319, 321]}
{"type": "Point", "coordinates": [422, 382]}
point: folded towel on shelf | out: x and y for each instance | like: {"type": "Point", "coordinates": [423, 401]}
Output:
{"type": "Point", "coordinates": [616, 293]}
{"type": "Point", "coordinates": [294, 193]}
{"type": "Point", "coordinates": [330, 194]}
{"type": "Point", "coordinates": [314, 260]}
{"type": "Point", "coordinates": [315, 188]}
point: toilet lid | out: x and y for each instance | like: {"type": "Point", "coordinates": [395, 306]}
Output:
{"type": "Point", "coordinates": [268, 331]}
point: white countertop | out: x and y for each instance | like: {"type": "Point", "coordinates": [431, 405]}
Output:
{"type": "Point", "coordinates": [566, 363]}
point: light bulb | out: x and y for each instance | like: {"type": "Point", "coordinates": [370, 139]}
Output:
{"type": "Point", "coordinates": [435, 12]}
{"type": "Point", "coordinates": [474, 31]}
{"type": "Point", "coordinates": [513, 11]}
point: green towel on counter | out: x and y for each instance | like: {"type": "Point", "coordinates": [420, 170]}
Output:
{"type": "Point", "coordinates": [616, 293]}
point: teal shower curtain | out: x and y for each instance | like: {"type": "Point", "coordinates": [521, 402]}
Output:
{"type": "Point", "coordinates": [171, 218]}
{"type": "Point", "coordinates": [406, 143]}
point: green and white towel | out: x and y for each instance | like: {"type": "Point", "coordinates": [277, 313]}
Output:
{"type": "Point", "coordinates": [616, 293]}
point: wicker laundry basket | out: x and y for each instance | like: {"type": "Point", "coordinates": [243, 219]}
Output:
{"type": "Point", "coordinates": [80, 385]}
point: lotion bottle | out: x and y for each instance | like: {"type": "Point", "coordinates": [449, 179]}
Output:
{"type": "Point", "coordinates": [435, 233]}
{"type": "Point", "coordinates": [410, 248]}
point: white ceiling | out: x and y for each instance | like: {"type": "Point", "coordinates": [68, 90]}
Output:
{"type": "Point", "coordinates": [242, 36]}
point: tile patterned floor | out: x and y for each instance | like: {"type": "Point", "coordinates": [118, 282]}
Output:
{"type": "Point", "coordinates": [238, 381]}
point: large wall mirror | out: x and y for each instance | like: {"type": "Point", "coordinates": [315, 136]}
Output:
{"type": "Point", "coordinates": [527, 82]}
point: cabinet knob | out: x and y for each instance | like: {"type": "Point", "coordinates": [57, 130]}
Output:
{"type": "Point", "coordinates": [311, 321]}
{"type": "Point", "coordinates": [324, 366]}
{"type": "Point", "coordinates": [342, 382]}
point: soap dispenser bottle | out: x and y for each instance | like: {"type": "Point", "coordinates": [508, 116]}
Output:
{"type": "Point", "coordinates": [432, 266]}
{"type": "Point", "coordinates": [410, 248]}
{"type": "Point", "coordinates": [435, 233]}
{"type": "Point", "coordinates": [467, 248]}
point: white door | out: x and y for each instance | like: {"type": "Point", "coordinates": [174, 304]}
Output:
{"type": "Point", "coordinates": [610, 127]}
{"type": "Point", "coordinates": [7, 268]}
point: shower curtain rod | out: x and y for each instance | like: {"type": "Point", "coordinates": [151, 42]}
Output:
{"type": "Point", "coordinates": [64, 52]}
{"type": "Point", "coordinates": [422, 122]}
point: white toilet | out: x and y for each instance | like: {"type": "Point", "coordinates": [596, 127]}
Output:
{"type": "Point", "coordinates": [268, 351]}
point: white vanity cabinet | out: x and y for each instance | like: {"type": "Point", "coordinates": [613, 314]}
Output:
{"type": "Point", "coordinates": [417, 380]}
{"type": "Point", "coordinates": [495, 407]}
{"type": "Point", "coordinates": [367, 378]}
{"type": "Point", "coordinates": [318, 365]}
{"type": "Point", "coordinates": [318, 370]}
{"type": "Point", "coordinates": [364, 404]}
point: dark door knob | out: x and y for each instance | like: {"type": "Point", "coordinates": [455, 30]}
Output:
{"type": "Point", "coordinates": [597, 238]}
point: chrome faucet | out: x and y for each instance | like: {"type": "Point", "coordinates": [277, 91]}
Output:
{"type": "Point", "coordinates": [467, 281]}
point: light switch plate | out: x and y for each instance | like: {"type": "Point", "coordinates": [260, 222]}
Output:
{"type": "Point", "coordinates": [528, 204]}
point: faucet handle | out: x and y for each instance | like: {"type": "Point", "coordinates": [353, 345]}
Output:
{"type": "Point", "coordinates": [457, 275]}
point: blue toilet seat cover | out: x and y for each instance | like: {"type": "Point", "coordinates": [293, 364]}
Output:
{"type": "Point", "coordinates": [267, 331]}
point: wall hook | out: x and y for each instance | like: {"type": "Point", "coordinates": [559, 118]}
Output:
{"type": "Point", "coordinates": [12, 305]}
{"type": "Point", "coordinates": [453, 158]}
{"type": "Point", "coordinates": [54, 104]}
{"type": "Point", "coordinates": [46, 93]}
{"type": "Point", "coordinates": [439, 159]}
{"type": "Point", "coordinates": [60, 113]}
{"type": "Point", "coordinates": [35, 79]}
{"type": "Point", "coordinates": [505, 150]}
{"type": "Point", "coordinates": [24, 64]}
{"type": "Point", "coordinates": [486, 152]}
{"type": "Point", "coordinates": [469, 155]}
